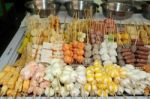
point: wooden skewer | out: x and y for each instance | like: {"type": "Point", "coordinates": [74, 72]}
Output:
{"type": "Point", "coordinates": [134, 94]}
{"type": "Point", "coordinates": [2, 96]}
{"type": "Point", "coordinates": [87, 34]}
{"type": "Point", "coordinates": [39, 97]}
{"type": "Point", "coordinates": [86, 97]}
{"type": "Point", "coordinates": [128, 32]}
{"type": "Point", "coordinates": [115, 96]}
{"type": "Point", "coordinates": [96, 97]}
{"type": "Point", "coordinates": [91, 97]}
{"type": "Point", "coordinates": [74, 97]}
{"type": "Point", "coordinates": [24, 96]}
{"type": "Point", "coordinates": [63, 97]}
{"type": "Point", "coordinates": [82, 96]}
{"type": "Point", "coordinates": [55, 96]}
{"type": "Point", "coordinates": [33, 97]}
{"type": "Point", "coordinates": [120, 39]}
{"type": "Point", "coordinates": [48, 97]}
{"type": "Point", "coordinates": [106, 97]}
{"type": "Point", "coordinates": [6, 97]}
{"type": "Point", "coordinates": [71, 97]}
{"type": "Point", "coordinates": [59, 85]}
{"type": "Point", "coordinates": [124, 96]}
{"type": "Point", "coordinates": [138, 34]}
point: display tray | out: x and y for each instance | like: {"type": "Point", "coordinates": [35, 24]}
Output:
{"type": "Point", "coordinates": [10, 55]}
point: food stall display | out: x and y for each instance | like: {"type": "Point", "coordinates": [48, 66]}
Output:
{"type": "Point", "coordinates": [84, 58]}
{"type": "Point", "coordinates": [80, 58]}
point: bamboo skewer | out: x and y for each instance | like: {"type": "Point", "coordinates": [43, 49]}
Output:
{"type": "Point", "coordinates": [86, 97]}
{"type": "Point", "coordinates": [91, 97]}
{"type": "Point", "coordinates": [39, 97]}
{"type": "Point", "coordinates": [128, 32]}
{"type": "Point", "coordinates": [55, 96]}
{"type": "Point", "coordinates": [133, 92]}
{"type": "Point", "coordinates": [34, 96]}
{"type": "Point", "coordinates": [138, 33]}
{"type": "Point", "coordinates": [2, 96]}
{"type": "Point", "coordinates": [120, 38]}
{"type": "Point", "coordinates": [124, 96]}
{"type": "Point", "coordinates": [24, 96]}
{"type": "Point", "coordinates": [82, 95]}
{"type": "Point", "coordinates": [115, 96]}
{"type": "Point", "coordinates": [105, 97]}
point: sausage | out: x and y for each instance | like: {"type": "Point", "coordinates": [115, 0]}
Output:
{"type": "Point", "coordinates": [141, 57]}
{"type": "Point", "coordinates": [129, 57]}
{"type": "Point", "coordinates": [142, 53]}
{"type": "Point", "coordinates": [142, 48]}
{"type": "Point", "coordinates": [130, 60]}
{"type": "Point", "coordinates": [126, 53]}
{"type": "Point", "coordinates": [125, 50]}
{"type": "Point", "coordinates": [141, 61]}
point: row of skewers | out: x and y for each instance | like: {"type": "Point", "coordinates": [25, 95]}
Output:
{"type": "Point", "coordinates": [59, 79]}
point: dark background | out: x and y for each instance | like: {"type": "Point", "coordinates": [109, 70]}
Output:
{"type": "Point", "coordinates": [10, 22]}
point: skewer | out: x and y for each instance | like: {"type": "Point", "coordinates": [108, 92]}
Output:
{"type": "Point", "coordinates": [135, 96]}
{"type": "Point", "coordinates": [133, 92]}
{"type": "Point", "coordinates": [146, 95]}
{"type": "Point", "coordinates": [128, 32]}
{"type": "Point", "coordinates": [38, 46]}
{"type": "Point", "coordinates": [55, 96]}
{"type": "Point", "coordinates": [105, 97]}
{"type": "Point", "coordinates": [96, 96]}
{"type": "Point", "coordinates": [124, 96]}
{"type": "Point", "coordinates": [115, 96]}
{"type": "Point", "coordinates": [86, 97]}
{"type": "Point", "coordinates": [119, 38]}
{"type": "Point", "coordinates": [24, 97]}
{"type": "Point", "coordinates": [137, 35]}
{"type": "Point", "coordinates": [39, 97]}
{"type": "Point", "coordinates": [87, 34]}
{"type": "Point", "coordinates": [2, 96]}
{"type": "Point", "coordinates": [74, 97]}
{"type": "Point", "coordinates": [82, 96]}
{"type": "Point", "coordinates": [91, 97]}
{"type": "Point", "coordinates": [34, 95]}
{"type": "Point", "coordinates": [6, 97]}
{"type": "Point", "coordinates": [14, 96]}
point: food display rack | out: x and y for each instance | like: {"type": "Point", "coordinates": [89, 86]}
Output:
{"type": "Point", "coordinates": [10, 54]}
